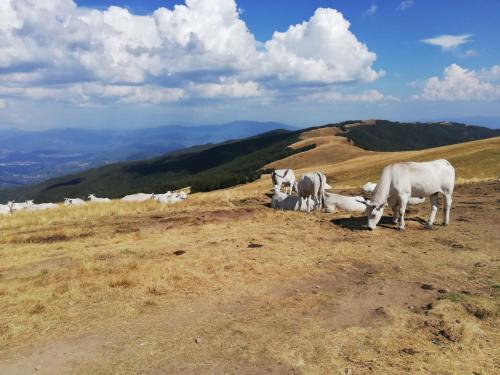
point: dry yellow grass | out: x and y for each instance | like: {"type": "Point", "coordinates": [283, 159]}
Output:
{"type": "Point", "coordinates": [223, 284]}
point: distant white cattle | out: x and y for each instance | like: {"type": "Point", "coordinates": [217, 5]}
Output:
{"type": "Point", "coordinates": [139, 197]}
{"type": "Point", "coordinates": [42, 207]}
{"type": "Point", "coordinates": [169, 197]}
{"type": "Point", "coordinates": [5, 209]}
{"type": "Point", "coordinates": [20, 206]}
{"type": "Point", "coordinates": [334, 202]}
{"type": "Point", "coordinates": [73, 202]}
{"type": "Point", "coordinates": [369, 187]}
{"type": "Point", "coordinates": [401, 181]}
{"type": "Point", "coordinates": [311, 186]}
{"type": "Point", "coordinates": [94, 199]}
{"type": "Point", "coordinates": [285, 178]}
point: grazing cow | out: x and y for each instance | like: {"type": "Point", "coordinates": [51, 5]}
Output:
{"type": "Point", "coordinates": [94, 199]}
{"type": "Point", "coordinates": [73, 202]}
{"type": "Point", "coordinates": [139, 197]}
{"type": "Point", "coordinates": [401, 181]}
{"type": "Point", "coordinates": [312, 186]}
{"type": "Point", "coordinates": [42, 207]}
{"type": "Point", "coordinates": [333, 202]}
{"type": "Point", "coordinates": [369, 187]}
{"type": "Point", "coordinates": [284, 177]}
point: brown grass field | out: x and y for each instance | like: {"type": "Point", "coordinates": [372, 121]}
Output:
{"type": "Point", "coordinates": [222, 284]}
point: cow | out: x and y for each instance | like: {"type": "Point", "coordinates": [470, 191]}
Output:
{"type": "Point", "coordinates": [284, 177]}
{"type": "Point", "coordinates": [283, 201]}
{"type": "Point", "coordinates": [400, 181]}
{"type": "Point", "coordinates": [73, 202]}
{"type": "Point", "coordinates": [42, 207]}
{"type": "Point", "coordinates": [94, 199]}
{"type": "Point", "coordinates": [170, 197]}
{"type": "Point", "coordinates": [5, 209]}
{"type": "Point", "coordinates": [139, 197]}
{"type": "Point", "coordinates": [369, 187]}
{"type": "Point", "coordinates": [20, 206]}
{"type": "Point", "coordinates": [333, 202]}
{"type": "Point", "coordinates": [312, 186]}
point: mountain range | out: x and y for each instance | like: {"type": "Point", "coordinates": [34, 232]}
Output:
{"type": "Point", "coordinates": [28, 157]}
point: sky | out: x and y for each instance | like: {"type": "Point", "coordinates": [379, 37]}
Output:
{"type": "Point", "coordinates": [130, 63]}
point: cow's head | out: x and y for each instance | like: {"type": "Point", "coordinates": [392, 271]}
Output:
{"type": "Point", "coordinates": [373, 212]}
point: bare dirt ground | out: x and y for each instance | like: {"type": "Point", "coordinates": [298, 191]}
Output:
{"type": "Point", "coordinates": [223, 284]}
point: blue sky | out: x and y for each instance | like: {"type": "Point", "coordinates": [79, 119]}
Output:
{"type": "Point", "coordinates": [125, 63]}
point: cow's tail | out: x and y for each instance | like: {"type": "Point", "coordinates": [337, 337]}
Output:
{"type": "Point", "coordinates": [321, 198]}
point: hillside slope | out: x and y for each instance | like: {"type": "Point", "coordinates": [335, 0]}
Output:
{"type": "Point", "coordinates": [201, 168]}
{"type": "Point", "coordinates": [382, 135]}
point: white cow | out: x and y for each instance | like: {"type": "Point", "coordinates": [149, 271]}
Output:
{"type": "Point", "coordinates": [42, 207]}
{"type": "Point", "coordinates": [334, 202]}
{"type": "Point", "coordinates": [73, 202]}
{"type": "Point", "coordinates": [94, 199]}
{"type": "Point", "coordinates": [139, 197]}
{"type": "Point", "coordinates": [369, 187]}
{"type": "Point", "coordinates": [401, 181]}
{"type": "Point", "coordinates": [5, 209]}
{"type": "Point", "coordinates": [283, 201]}
{"type": "Point", "coordinates": [284, 177]}
{"type": "Point", "coordinates": [20, 206]}
{"type": "Point", "coordinates": [169, 197]}
{"type": "Point", "coordinates": [311, 186]}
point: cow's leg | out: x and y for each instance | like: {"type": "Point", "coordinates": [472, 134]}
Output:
{"type": "Point", "coordinates": [434, 204]}
{"type": "Point", "coordinates": [395, 212]}
{"type": "Point", "coordinates": [447, 208]}
{"type": "Point", "coordinates": [403, 201]}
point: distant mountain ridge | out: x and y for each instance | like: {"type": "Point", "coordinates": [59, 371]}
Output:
{"type": "Point", "coordinates": [28, 157]}
{"type": "Point", "coordinates": [383, 135]}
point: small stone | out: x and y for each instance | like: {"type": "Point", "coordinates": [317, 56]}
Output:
{"type": "Point", "coordinates": [254, 245]}
{"type": "Point", "coordinates": [427, 287]}
{"type": "Point", "coordinates": [442, 291]}
{"type": "Point", "coordinates": [409, 351]}
{"type": "Point", "coordinates": [179, 252]}
{"type": "Point", "coordinates": [197, 340]}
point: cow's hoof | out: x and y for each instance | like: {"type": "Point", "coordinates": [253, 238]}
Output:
{"type": "Point", "coordinates": [401, 228]}
{"type": "Point", "coordinates": [428, 226]}
{"type": "Point", "coordinates": [445, 224]}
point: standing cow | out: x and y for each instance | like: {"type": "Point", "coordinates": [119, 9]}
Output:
{"type": "Point", "coordinates": [284, 177]}
{"type": "Point", "coordinates": [311, 186]}
{"type": "Point", "coordinates": [401, 181]}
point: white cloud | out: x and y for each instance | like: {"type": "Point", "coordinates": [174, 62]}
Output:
{"type": "Point", "coordinates": [3, 104]}
{"type": "Point", "coordinates": [369, 96]}
{"type": "Point", "coordinates": [459, 84]}
{"type": "Point", "coordinates": [448, 42]}
{"type": "Point", "coordinates": [371, 10]}
{"type": "Point", "coordinates": [57, 50]}
{"type": "Point", "coordinates": [320, 50]}
{"type": "Point", "coordinates": [405, 4]}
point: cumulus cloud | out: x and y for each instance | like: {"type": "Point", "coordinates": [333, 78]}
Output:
{"type": "Point", "coordinates": [3, 104]}
{"type": "Point", "coordinates": [460, 84]}
{"type": "Point", "coordinates": [371, 10]}
{"type": "Point", "coordinates": [405, 4]}
{"type": "Point", "coordinates": [448, 42]}
{"type": "Point", "coordinates": [59, 51]}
